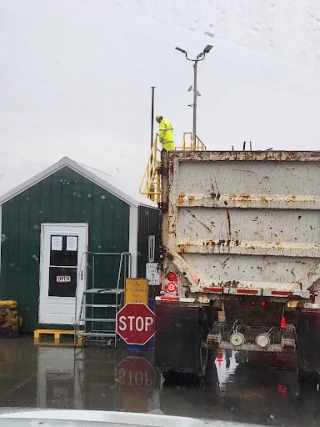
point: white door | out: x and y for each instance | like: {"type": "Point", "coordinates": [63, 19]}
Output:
{"type": "Point", "coordinates": [62, 272]}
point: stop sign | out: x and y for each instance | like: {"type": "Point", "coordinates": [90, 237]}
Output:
{"type": "Point", "coordinates": [136, 323]}
{"type": "Point", "coordinates": [135, 376]}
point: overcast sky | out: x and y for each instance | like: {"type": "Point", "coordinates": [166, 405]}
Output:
{"type": "Point", "coordinates": [75, 79]}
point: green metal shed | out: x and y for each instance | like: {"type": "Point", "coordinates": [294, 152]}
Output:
{"type": "Point", "coordinates": [46, 225]}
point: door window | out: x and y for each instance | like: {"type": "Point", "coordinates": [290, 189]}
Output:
{"type": "Point", "coordinates": [63, 266]}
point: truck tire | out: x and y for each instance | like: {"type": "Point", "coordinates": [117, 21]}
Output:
{"type": "Point", "coordinates": [181, 333]}
{"type": "Point", "coordinates": [308, 347]}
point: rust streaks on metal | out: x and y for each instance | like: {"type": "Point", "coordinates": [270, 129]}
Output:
{"type": "Point", "coordinates": [215, 156]}
{"type": "Point", "coordinates": [311, 276]}
{"type": "Point", "coordinates": [206, 244]}
{"type": "Point", "coordinates": [249, 244]}
{"type": "Point", "coordinates": [248, 200]}
{"type": "Point", "coordinates": [181, 197]}
{"type": "Point", "coordinates": [215, 195]}
{"type": "Point", "coordinates": [190, 200]}
{"type": "Point", "coordinates": [231, 284]}
{"type": "Point", "coordinates": [244, 197]}
{"type": "Point", "coordinates": [249, 247]}
{"type": "Point", "coordinates": [200, 222]}
{"type": "Point", "coordinates": [229, 224]}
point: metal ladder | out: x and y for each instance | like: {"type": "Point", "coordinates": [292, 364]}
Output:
{"type": "Point", "coordinates": [151, 182]}
{"type": "Point", "coordinates": [99, 306]}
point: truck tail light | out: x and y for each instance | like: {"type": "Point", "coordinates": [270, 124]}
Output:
{"type": "Point", "coordinates": [283, 322]}
{"type": "Point", "coordinates": [171, 284]}
{"type": "Point", "coordinates": [262, 303]}
{"type": "Point", "coordinates": [247, 291]}
{"type": "Point", "coordinates": [215, 289]}
{"type": "Point", "coordinates": [282, 389]}
{"type": "Point", "coordinates": [281, 293]}
{"type": "Point", "coordinates": [172, 276]}
{"type": "Point", "coordinates": [171, 287]}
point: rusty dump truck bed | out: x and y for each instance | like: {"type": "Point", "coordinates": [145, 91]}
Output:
{"type": "Point", "coordinates": [239, 221]}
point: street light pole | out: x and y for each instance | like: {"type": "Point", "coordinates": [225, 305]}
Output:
{"type": "Point", "coordinates": [195, 102]}
{"type": "Point", "coordinates": [200, 57]}
{"type": "Point", "coordinates": [152, 114]}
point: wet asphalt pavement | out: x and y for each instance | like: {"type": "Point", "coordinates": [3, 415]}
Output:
{"type": "Point", "coordinates": [238, 387]}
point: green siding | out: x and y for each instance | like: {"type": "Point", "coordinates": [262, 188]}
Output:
{"type": "Point", "coordinates": [50, 201]}
{"type": "Point", "coordinates": [149, 224]}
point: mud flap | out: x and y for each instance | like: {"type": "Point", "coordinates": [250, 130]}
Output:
{"type": "Point", "coordinates": [179, 336]}
{"type": "Point", "coordinates": [309, 342]}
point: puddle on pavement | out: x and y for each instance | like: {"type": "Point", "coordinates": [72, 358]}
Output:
{"type": "Point", "coordinates": [237, 387]}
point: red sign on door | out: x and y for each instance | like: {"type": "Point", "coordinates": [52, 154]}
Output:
{"type": "Point", "coordinates": [136, 324]}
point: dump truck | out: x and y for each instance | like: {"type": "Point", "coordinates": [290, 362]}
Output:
{"type": "Point", "coordinates": [240, 257]}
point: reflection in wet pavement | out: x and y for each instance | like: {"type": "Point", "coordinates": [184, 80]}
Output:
{"type": "Point", "coordinates": [237, 387]}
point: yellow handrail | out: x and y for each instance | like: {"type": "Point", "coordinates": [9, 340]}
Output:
{"type": "Point", "coordinates": [151, 182]}
{"type": "Point", "coordinates": [188, 143]}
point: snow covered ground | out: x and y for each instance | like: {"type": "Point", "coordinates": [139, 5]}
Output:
{"type": "Point", "coordinates": [75, 79]}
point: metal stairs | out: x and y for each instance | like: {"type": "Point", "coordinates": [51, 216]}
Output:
{"type": "Point", "coordinates": [151, 182]}
{"type": "Point", "coordinates": [96, 321]}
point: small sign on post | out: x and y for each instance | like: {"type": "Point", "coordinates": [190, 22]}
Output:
{"type": "Point", "coordinates": [152, 273]}
{"type": "Point", "coordinates": [136, 291]}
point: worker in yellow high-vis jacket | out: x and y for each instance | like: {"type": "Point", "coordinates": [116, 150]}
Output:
{"type": "Point", "coordinates": [165, 133]}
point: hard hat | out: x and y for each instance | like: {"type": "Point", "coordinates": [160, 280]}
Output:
{"type": "Point", "coordinates": [158, 118]}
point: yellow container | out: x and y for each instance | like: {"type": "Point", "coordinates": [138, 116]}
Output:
{"type": "Point", "coordinates": [10, 321]}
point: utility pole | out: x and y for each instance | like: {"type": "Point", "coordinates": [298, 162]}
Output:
{"type": "Point", "coordinates": [152, 113]}
{"type": "Point", "coordinates": [200, 57]}
{"type": "Point", "coordinates": [151, 138]}
{"type": "Point", "coordinates": [195, 103]}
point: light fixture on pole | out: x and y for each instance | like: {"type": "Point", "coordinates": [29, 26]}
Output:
{"type": "Point", "coordinates": [200, 57]}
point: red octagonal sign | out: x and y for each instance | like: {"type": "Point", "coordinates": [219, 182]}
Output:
{"type": "Point", "coordinates": [136, 324]}
{"type": "Point", "coordinates": [135, 376]}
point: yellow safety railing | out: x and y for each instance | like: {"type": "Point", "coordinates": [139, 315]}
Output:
{"type": "Point", "coordinates": [190, 143]}
{"type": "Point", "coordinates": [151, 182]}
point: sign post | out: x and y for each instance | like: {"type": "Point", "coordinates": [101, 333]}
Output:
{"type": "Point", "coordinates": [135, 324]}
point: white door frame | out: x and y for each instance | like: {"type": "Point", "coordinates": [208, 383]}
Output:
{"type": "Point", "coordinates": [63, 229]}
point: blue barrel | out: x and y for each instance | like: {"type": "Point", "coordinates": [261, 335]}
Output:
{"type": "Point", "coordinates": [150, 344]}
